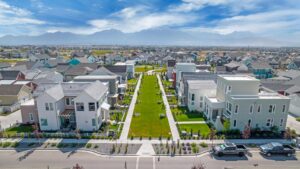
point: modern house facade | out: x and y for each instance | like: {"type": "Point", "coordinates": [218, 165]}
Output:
{"type": "Point", "coordinates": [70, 106]}
{"type": "Point", "coordinates": [239, 101]}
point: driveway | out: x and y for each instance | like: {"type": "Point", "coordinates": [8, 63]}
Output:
{"type": "Point", "coordinates": [11, 119]}
{"type": "Point", "coordinates": [293, 123]}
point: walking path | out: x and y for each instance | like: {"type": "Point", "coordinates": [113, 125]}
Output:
{"type": "Point", "coordinates": [191, 122]}
{"type": "Point", "coordinates": [174, 131]}
{"type": "Point", "coordinates": [125, 131]}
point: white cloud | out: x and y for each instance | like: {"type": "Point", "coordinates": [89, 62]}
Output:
{"type": "Point", "coordinates": [132, 19]}
{"type": "Point", "coordinates": [10, 15]}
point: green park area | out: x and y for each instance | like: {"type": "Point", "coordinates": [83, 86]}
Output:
{"type": "Point", "coordinates": [149, 118]}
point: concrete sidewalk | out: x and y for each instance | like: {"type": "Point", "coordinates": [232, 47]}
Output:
{"type": "Point", "coordinates": [126, 127]}
{"type": "Point", "coordinates": [191, 122]}
{"type": "Point", "coordinates": [172, 124]}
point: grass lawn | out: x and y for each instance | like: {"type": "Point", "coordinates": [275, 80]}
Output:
{"type": "Point", "coordinates": [19, 129]}
{"type": "Point", "coordinates": [149, 107]}
{"type": "Point", "coordinates": [12, 60]}
{"type": "Point", "coordinates": [203, 128]}
{"type": "Point", "coordinates": [181, 114]}
{"type": "Point", "coordinates": [143, 68]}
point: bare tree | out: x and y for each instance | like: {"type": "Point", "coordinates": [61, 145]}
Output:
{"type": "Point", "coordinates": [77, 166]}
{"type": "Point", "coordinates": [212, 135]}
{"type": "Point", "coordinates": [246, 132]}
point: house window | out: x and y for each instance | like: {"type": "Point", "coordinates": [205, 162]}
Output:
{"type": "Point", "coordinates": [80, 106]}
{"type": "Point", "coordinates": [251, 108]}
{"type": "Point", "coordinates": [234, 123]}
{"type": "Point", "coordinates": [193, 97]}
{"type": "Point", "coordinates": [229, 106]}
{"type": "Point", "coordinates": [31, 117]}
{"type": "Point", "coordinates": [269, 123]}
{"type": "Point", "coordinates": [236, 108]}
{"type": "Point", "coordinates": [228, 89]}
{"type": "Point", "coordinates": [271, 108]}
{"type": "Point", "coordinates": [97, 105]}
{"type": "Point", "coordinates": [258, 109]}
{"type": "Point", "coordinates": [201, 98]}
{"type": "Point", "coordinates": [91, 106]}
{"type": "Point", "coordinates": [201, 104]}
{"type": "Point", "coordinates": [67, 101]}
{"type": "Point", "coordinates": [47, 106]}
{"type": "Point", "coordinates": [281, 122]}
{"type": "Point", "coordinates": [249, 122]}
{"type": "Point", "coordinates": [44, 122]}
{"type": "Point", "coordinates": [283, 109]}
{"type": "Point", "coordinates": [93, 122]}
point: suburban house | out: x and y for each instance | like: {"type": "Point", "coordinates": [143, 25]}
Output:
{"type": "Point", "coordinates": [69, 106]}
{"type": "Point", "coordinates": [11, 96]}
{"type": "Point", "coordinates": [29, 112]}
{"type": "Point", "coordinates": [179, 68]}
{"type": "Point", "coordinates": [261, 69]}
{"type": "Point", "coordinates": [240, 101]}
{"type": "Point", "coordinates": [39, 58]}
{"type": "Point", "coordinates": [11, 75]}
{"type": "Point", "coordinates": [170, 67]}
{"type": "Point", "coordinates": [294, 64]}
{"type": "Point", "coordinates": [197, 90]}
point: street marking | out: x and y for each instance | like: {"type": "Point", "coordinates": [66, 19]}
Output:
{"type": "Point", "coordinates": [153, 162]}
{"type": "Point", "coordinates": [137, 163]}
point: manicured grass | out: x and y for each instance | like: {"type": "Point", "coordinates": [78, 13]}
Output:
{"type": "Point", "coordinates": [146, 121]}
{"type": "Point", "coordinates": [143, 68]}
{"type": "Point", "coordinates": [181, 114]}
{"type": "Point", "coordinates": [12, 60]}
{"type": "Point", "coordinates": [19, 129]}
{"type": "Point", "coordinates": [203, 128]}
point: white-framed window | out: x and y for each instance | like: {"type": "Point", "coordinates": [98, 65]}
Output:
{"type": "Point", "coordinates": [258, 108]}
{"type": "Point", "coordinates": [201, 98]}
{"type": "Point", "coordinates": [93, 122]}
{"type": "Point", "coordinates": [44, 122]}
{"type": "Point", "coordinates": [47, 106]}
{"type": "Point", "coordinates": [283, 108]}
{"type": "Point", "coordinates": [229, 106]}
{"type": "Point", "coordinates": [80, 106]}
{"type": "Point", "coordinates": [51, 106]}
{"type": "Point", "coordinates": [249, 122]}
{"type": "Point", "coordinates": [193, 97]}
{"type": "Point", "coordinates": [269, 123]}
{"type": "Point", "coordinates": [234, 123]}
{"type": "Point", "coordinates": [271, 108]}
{"type": "Point", "coordinates": [281, 122]}
{"type": "Point", "coordinates": [251, 108]}
{"type": "Point", "coordinates": [31, 117]}
{"type": "Point", "coordinates": [236, 109]}
{"type": "Point", "coordinates": [201, 104]}
{"type": "Point", "coordinates": [68, 101]}
{"type": "Point", "coordinates": [92, 106]}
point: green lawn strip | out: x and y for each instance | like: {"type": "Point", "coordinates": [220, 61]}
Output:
{"type": "Point", "coordinates": [149, 107]}
{"type": "Point", "coordinates": [182, 114]}
{"type": "Point", "coordinates": [203, 128]}
{"type": "Point", "coordinates": [19, 129]}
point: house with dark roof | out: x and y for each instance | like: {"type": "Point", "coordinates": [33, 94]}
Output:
{"type": "Point", "coordinates": [295, 64]}
{"type": "Point", "coordinates": [11, 96]}
{"type": "Point", "coordinates": [39, 58]}
{"type": "Point", "coordinates": [11, 75]}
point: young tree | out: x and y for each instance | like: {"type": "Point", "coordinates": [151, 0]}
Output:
{"type": "Point", "coordinates": [289, 133]}
{"type": "Point", "coordinates": [77, 166]}
{"type": "Point", "coordinates": [78, 135]}
{"type": "Point", "coordinates": [246, 132]}
{"type": "Point", "coordinates": [212, 135]}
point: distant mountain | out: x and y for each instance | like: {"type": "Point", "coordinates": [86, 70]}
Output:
{"type": "Point", "coordinates": [146, 37]}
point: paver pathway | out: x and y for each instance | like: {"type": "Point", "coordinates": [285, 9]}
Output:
{"type": "Point", "coordinates": [191, 122]}
{"type": "Point", "coordinates": [127, 122]}
{"type": "Point", "coordinates": [174, 131]}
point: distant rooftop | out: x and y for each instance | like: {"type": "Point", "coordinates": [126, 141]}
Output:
{"type": "Point", "coordinates": [238, 78]}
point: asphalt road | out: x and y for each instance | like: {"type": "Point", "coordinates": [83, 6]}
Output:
{"type": "Point", "coordinates": [61, 160]}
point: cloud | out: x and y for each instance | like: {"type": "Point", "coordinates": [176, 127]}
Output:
{"type": "Point", "coordinates": [10, 15]}
{"type": "Point", "coordinates": [132, 19]}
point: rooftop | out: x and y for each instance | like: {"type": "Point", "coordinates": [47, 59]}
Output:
{"type": "Point", "coordinates": [238, 78]}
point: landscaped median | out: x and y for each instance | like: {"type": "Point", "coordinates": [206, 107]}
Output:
{"type": "Point", "coordinates": [149, 118]}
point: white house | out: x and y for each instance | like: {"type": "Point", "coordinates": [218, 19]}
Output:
{"type": "Point", "coordinates": [239, 101]}
{"type": "Point", "coordinates": [69, 106]}
{"type": "Point", "coordinates": [183, 67]}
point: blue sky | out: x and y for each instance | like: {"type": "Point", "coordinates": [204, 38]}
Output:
{"type": "Point", "coordinates": [279, 19]}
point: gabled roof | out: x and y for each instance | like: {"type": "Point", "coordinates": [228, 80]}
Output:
{"type": "Point", "coordinates": [117, 68]}
{"type": "Point", "coordinates": [56, 92]}
{"type": "Point", "coordinates": [260, 65]}
{"type": "Point", "coordinates": [201, 84]}
{"type": "Point", "coordinates": [10, 89]}
{"type": "Point", "coordinates": [290, 73]}
{"type": "Point", "coordinates": [96, 90]}
{"type": "Point", "coordinates": [102, 71]}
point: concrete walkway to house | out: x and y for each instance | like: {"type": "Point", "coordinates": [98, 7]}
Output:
{"type": "Point", "coordinates": [293, 123]}
{"type": "Point", "coordinates": [127, 122]}
{"type": "Point", "coordinates": [172, 124]}
{"type": "Point", "coordinates": [10, 120]}
{"type": "Point", "coordinates": [191, 122]}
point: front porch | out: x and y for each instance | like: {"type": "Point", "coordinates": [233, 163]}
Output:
{"type": "Point", "coordinates": [67, 120]}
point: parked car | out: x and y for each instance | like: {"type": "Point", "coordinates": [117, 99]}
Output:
{"type": "Point", "coordinates": [230, 148]}
{"type": "Point", "coordinates": [277, 148]}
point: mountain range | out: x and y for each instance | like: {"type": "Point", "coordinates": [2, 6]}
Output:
{"type": "Point", "coordinates": [146, 37]}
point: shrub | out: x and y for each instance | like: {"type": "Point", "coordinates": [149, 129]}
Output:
{"type": "Point", "coordinates": [88, 145]}
{"type": "Point", "coordinates": [53, 145]}
{"type": "Point", "coordinates": [30, 144]}
{"type": "Point", "coordinates": [96, 146]}
{"type": "Point", "coordinates": [15, 144]}
{"type": "Point", "coordinates": [6, 144]}
{"type": "Point", "coordinates": [203, 144]}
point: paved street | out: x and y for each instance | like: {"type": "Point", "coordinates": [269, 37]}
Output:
{"type": "Point", "coordinates": [11, 119]}
{"type": "Point", "coordinates": [61, 160]}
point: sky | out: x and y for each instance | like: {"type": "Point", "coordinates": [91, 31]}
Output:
{"type": "Point", "coordinates": [277, 19]}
